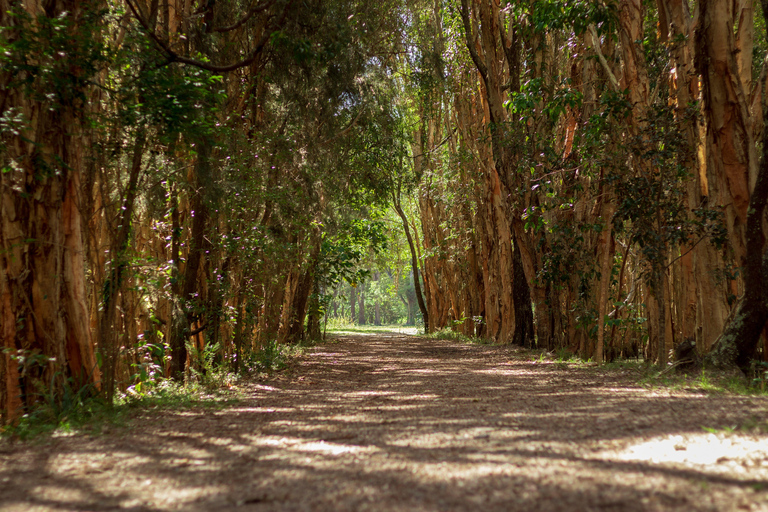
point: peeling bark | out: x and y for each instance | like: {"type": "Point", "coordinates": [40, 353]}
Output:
{"type": "Point", "coordinates": [46, 339]}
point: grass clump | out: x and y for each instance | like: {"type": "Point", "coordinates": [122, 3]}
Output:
{"type": "Point", "coordinates": [209, 384]}
{"type": "Point", "coordinates": [451, 335]}
{"type": "Point", "coordinates": [704, 380]}
{"type": "Point", "coordinates": [91, 414]}
{"type": "Point", "coordinates": [75, 411]}
{"type": "Point", "coordinates": [275, 357]}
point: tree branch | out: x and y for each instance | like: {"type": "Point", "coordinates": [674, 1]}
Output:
{"type": "Point", "coordinates": [255, 9]}
{"type": "Point", "coordinates": [172, 56]}
{"type": "Point", "coordinates": [601, 58]}
{"type": "Point", "coordinates": [470, 39]}
{"type": "Point", "coordinates": [197, 331]}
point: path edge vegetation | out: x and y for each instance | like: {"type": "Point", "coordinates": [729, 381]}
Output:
{"type": "Point", "coordinates": [84, 414]}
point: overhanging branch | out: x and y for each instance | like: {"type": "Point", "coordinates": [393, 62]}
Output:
{"type": "Point", "coordinates": [172, 56]}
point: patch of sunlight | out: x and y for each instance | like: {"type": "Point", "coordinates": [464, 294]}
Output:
{"type": "Point", "coordinates": [276, 441]}
{"type": "Point", "coordinates": [323, 447]}
{"type": "Point", "coordinates": [496, 371]}
{"type": "Point", "coordinates": [371, 330]}
{"type": "Point", "coordinates": [418, 397]}
{"type": "Point", "coordinates": [508, 432]}
{"type": "Point", "coordinates": [437, 440]}
{"type": "Point", "coordinates": [364, 418]}
{"type": "Point", "coordinates": [221, 441]}
{"type": "Point", "coordinates": [63, 433]}
{"type": "Point", "coordinates": [356, 333]}
{"type": "Point", "coordinates": [330, 448]}
{"type": "Point", "coordinates": [168, 494]}
{"type": "Point", "coordinates": [59, 494]}
{"type": "Point", "coordinates": [382, 407]}
{"type": "Point", "coordinates": [204, 462]}
{"type": "Point", "coordinates": [260, 410]}
{"type": "Point", "coordinates": [73, 462]}
{"type": "Point", "coordinates": [265, 388]}
{"type": "Point", "coordinates": [701, 450]}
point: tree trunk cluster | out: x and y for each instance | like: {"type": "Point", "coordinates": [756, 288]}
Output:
{"type": "Point", "coordinates": [546, 215]}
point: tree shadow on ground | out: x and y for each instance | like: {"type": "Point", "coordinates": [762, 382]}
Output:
{"type": "Point", "coordinates": [398, 424]}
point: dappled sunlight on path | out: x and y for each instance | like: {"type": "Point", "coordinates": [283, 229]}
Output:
{"type": "Point", "coordinates": [403, 423]}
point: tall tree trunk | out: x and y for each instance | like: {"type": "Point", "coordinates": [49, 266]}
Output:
{"type": "Point", "coordinates": [377, 304]}
{"type": "Point", "coordinates": [184, 308]}
{"type": "Point", "coordinates": [524, 333]}
{"type": "Point", "coordinates": [361, 319]}
{"type": "Point", "coordinates": [739, 340]}
{"type": "Point", "coordinates": [240, 320]}
{"type": "Point", "coordinates": [43, 306]}
{"type": "Point", "coordinates": [606, 251]}
{"type": "Point", "coordinates": [109, 343]}
{"type": "Point", "coordinates": [729, 144]}
{"type": "Point", "coordinates": [313, 317]}
{"type": "Point", "coordinates": [495, 52]}
{"type": "Point", "coordinates": [287, 311]}
{"type": "Point", "coordinates": [304, 291]}
{"type": "Point", "coordinates": [414, 260]}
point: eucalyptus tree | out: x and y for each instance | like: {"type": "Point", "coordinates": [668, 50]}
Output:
{"type": "Point", "coordinates": [741, 179]}
{"type": "Point", "coordinates": [51, 55]}
{"type": "Point", "coordinates": [214, 142]}
{"type": "Point", "coordinates": [584, 129]}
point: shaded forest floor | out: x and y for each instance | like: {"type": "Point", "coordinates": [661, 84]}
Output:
{"type": "Point", "coordinates": [391, 422]}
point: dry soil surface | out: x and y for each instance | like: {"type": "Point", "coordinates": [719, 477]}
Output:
{"type": "Point", "coordinates": [404, 423]}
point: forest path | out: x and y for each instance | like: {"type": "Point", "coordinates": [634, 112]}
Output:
{"type": "Point", "coordinates": [406, 423]}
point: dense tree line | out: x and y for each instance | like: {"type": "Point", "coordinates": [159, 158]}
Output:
{"type": "Point", "coordinates": [607, 161]}
{"type": "Point", "coordinates": [180, 178]}
{"type": "Point", "coordinates": [186, 180]}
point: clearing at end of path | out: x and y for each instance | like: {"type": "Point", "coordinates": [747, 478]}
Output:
{"type": "Point", "coordinates": [406, 423]}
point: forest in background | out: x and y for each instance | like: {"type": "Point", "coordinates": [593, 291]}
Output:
{"type": "Point", "coordinates": [186, 182]}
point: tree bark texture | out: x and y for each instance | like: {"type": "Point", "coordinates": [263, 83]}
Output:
{"type": "Point", "coordinates": [496, 58]}
{"type": "Point", "coordinates": [186, 299]}
{"type": "Point", "coordinates": [739, 340]}
{"type": "Point", "coordinates": [414, 262]}
{"type": "Point", "coordinates": [729, 142]}
{"type": "Point", "coordinates": [46, 337]}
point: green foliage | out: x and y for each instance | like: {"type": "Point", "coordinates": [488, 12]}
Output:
{"type": "Point", "coordinates": [207, 369]}
{"type": "Point", "coordinates": [652, 199]}
{"type": "Point", "coordinates": [81, 410]}
{"type": "Point", "coordinates": [148, 373]}
{"type": "Point", "coordinates": [95, 416]}
{"type": "Point", "coordinates": [342, 252]}
{"type": "Point", "coordinates": [69, 411]}
{"type": "Point", "coordinates": [563, 355]}
{"type": "Point", "coordinates": [577, 14]}
{"type": "Point", "coordinates": [274, 357]}
{"type": "Point", "coordinates": [759, 375]}
{"type": "Point", "coordinates": [527, 103]}
{"type": "Point", "coordinates": [52, 59]}
{"type": "Point", "coordinates": [451, 335]}
{"type": "Point", "coordinates": [704, 380]}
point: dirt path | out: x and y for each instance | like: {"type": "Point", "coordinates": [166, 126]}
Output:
{"type": "Point", "coordinates": [401, 423]}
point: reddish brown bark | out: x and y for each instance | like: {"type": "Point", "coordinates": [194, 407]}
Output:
{"type": "Point", "coordinates": [43, 307]}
